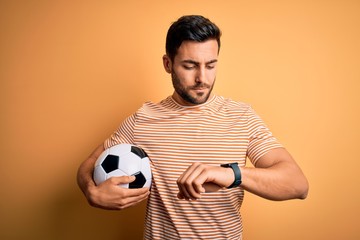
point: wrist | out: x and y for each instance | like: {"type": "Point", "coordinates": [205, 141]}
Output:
{"type": "Point", "coordinates": [92, 195]}
{"type": "Point", "coordinates": [237, 174]}
{"type": "Point", "coordinates": [88, 187]}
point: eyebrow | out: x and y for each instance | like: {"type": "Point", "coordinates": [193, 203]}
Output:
{"type": "Point", "coordinates": [197, 63]}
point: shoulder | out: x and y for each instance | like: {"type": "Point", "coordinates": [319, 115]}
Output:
{"type": "Point", "coordinates": [224, 104]}
{"type": "Point", "coordinates": [232, 103]}
{"type": "Point", "coordinates": [156, 108]}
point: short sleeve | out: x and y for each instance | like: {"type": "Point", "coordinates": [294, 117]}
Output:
{"type": "Point", "coordinates": [261, 140]}
{"type": "Point", "coordinates": [124, 133]}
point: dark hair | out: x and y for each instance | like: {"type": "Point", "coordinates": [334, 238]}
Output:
{"type": "Point", "coordinates": [190, 28]}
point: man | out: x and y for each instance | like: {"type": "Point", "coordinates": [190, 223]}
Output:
{"type": "Point", "coordinates": [198, 144]}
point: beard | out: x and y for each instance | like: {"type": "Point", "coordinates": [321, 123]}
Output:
{"type": "Point", "coordinates": [185, 92]}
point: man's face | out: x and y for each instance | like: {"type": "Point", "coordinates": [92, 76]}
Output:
{"type": "Point", "coordinates": [193, 71]}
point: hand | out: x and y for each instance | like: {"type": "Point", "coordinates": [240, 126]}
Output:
{"type": "Point", "coordinates": [108, 195]}
{"type": "Point", "coordinates": [200, 178]}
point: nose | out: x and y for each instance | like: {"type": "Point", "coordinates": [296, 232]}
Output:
{"type": "Point", "coordinates": [200, 75]}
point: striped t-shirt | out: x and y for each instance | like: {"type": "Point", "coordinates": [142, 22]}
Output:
{"type": "Point", "coordinates": [175, 136]}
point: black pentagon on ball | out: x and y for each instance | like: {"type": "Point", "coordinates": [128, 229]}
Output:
{"type": "Point", "coordinates": [138, 151]}
{"type": "Point", "coordinates": [110, 163]}
{"type": "Point", "coordinates": [139, 181]}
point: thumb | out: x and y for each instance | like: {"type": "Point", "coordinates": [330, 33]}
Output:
{"type": "Point", "coordinates": [211, 187]}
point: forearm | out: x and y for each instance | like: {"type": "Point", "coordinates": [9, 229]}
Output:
{"type": "Point", "coordinates": [84, 178]}
{"type": "Point", "coordinates": [84, 174]}
{"type": "Point", "coordinates": [281, 181]}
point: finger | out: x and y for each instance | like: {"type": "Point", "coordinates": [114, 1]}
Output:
{"type": "Point", "coordinates": [111, 196]}
{"type": "Point", "coordinates": [125, 192]}
{"type": "Point", "coordinates": [189, 183]}
{"type": "Point", "coordinates": [132, 201]}
{"type": "Point", "coordinates": [122, 179]}
{"type": "Point", "coordinates": [195, 182]}
{"type": "Point", "coordinates": [135, 192]}
{"type": "Point", "coordinates": [180, 196]}
{"type": "Point", "coordinates": [188, 171]}
{"type": "Point", "coordinates": [182, 191]}
{"type": "Point", "coordinates": [181, 182]}
{"type": "Point", "coordinates": [199, 181]}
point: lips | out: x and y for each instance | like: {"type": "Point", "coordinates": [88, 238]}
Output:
{"type": "Point", "coordinates": [200, 88]}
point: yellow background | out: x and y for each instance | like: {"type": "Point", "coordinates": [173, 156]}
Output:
{"type": "Point", "coordinates": [70, 71]}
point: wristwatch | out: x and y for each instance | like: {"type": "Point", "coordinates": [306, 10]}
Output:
{"type": "Point", "coordinates": [237, 173]}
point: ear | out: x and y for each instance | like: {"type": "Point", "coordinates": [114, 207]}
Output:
{"type": "Point", "coordinates": [167, 63]}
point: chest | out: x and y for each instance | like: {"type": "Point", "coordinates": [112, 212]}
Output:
{"type": "Point", "coordinates": [183, 138]}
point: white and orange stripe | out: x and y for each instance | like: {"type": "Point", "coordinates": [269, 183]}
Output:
{"type": "Point", "coordinates": [174, 136]}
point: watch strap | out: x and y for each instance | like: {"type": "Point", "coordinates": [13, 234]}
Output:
{"type": "Point", "coordinates": [234, 166]}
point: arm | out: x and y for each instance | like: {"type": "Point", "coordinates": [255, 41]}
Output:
{"type": "Point", "coordinates": [107, 195]}
{"type": "Point", "coordinates": [276, 177]}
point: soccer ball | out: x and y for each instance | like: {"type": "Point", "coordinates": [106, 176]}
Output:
{"type": "Point", "coordinates": [123, 160]}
